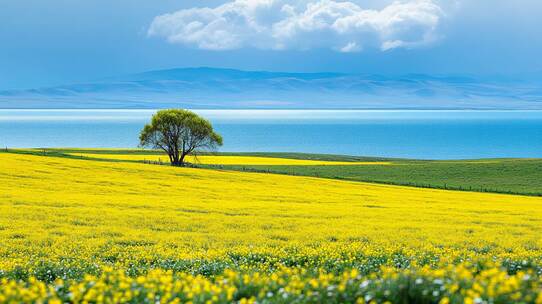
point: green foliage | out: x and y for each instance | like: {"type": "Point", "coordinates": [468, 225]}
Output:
{"type": "Point", "coordinates": [179, 133]}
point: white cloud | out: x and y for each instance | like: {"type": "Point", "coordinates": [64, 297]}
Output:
{"type": "Point", "coordinates": [302, 24]}
{"type": "Point", "coordinates": [350, 47]}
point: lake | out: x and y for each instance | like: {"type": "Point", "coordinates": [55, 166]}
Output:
{"type": "Point", "coordinates": [405, 134]}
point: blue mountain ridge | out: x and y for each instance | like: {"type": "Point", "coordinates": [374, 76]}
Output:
{"type": "Point", "coordinates": [228, 88]}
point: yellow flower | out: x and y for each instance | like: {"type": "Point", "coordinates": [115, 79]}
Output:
{"type": "Point", "coordinates": [124, 231]}
{"type": "Point", "coordinates": [444, 300]}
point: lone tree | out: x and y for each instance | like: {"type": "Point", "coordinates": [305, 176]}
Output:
{"type": "Point", "coordinates": [179, 133]}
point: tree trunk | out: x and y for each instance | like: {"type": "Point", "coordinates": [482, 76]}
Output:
{"type": "Point", "coordinates": [174, 159]}
{"type": "Point", "coordinates": [181, 160]}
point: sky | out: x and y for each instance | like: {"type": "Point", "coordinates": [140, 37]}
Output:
{"type": "Point", "coordinates": [53, 42]}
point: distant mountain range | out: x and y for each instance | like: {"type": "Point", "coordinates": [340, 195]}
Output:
{"type": "Point", "coordinates": [226, 88]}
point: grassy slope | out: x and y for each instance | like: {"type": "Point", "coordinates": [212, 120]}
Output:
{"type": "Point", "coordinates": [517, 176]}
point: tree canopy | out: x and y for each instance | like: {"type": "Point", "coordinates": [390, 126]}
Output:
{"type": "Point", "coordinates": [179, 133]}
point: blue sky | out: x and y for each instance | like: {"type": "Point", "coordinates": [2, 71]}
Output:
{"type": "Point", "coordinates": [54, 42]}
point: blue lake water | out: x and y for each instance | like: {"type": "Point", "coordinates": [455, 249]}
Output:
{"type": "Point", "coordinates": [408, 134]}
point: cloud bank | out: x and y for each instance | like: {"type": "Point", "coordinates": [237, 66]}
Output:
{"type": "Point", "coordinates": [343, 26]}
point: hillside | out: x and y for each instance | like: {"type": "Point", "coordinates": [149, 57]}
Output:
{"type": "Point", "coordinates": [92, 231]}
{"type": "Point", "coordinates": [511, 176]}
{"type": "Point", "coordinates": [226, 88]}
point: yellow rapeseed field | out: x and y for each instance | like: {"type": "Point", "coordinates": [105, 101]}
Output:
{"type": "Point", "coordinates": [225, 160]}
{"type": "Point", "coordinates": [89, 231]}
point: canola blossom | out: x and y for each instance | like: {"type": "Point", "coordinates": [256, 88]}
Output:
{"type": "Point", "coordinates": [226, 160]}
{"type": "Point", "coordinates": [87, 231]}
